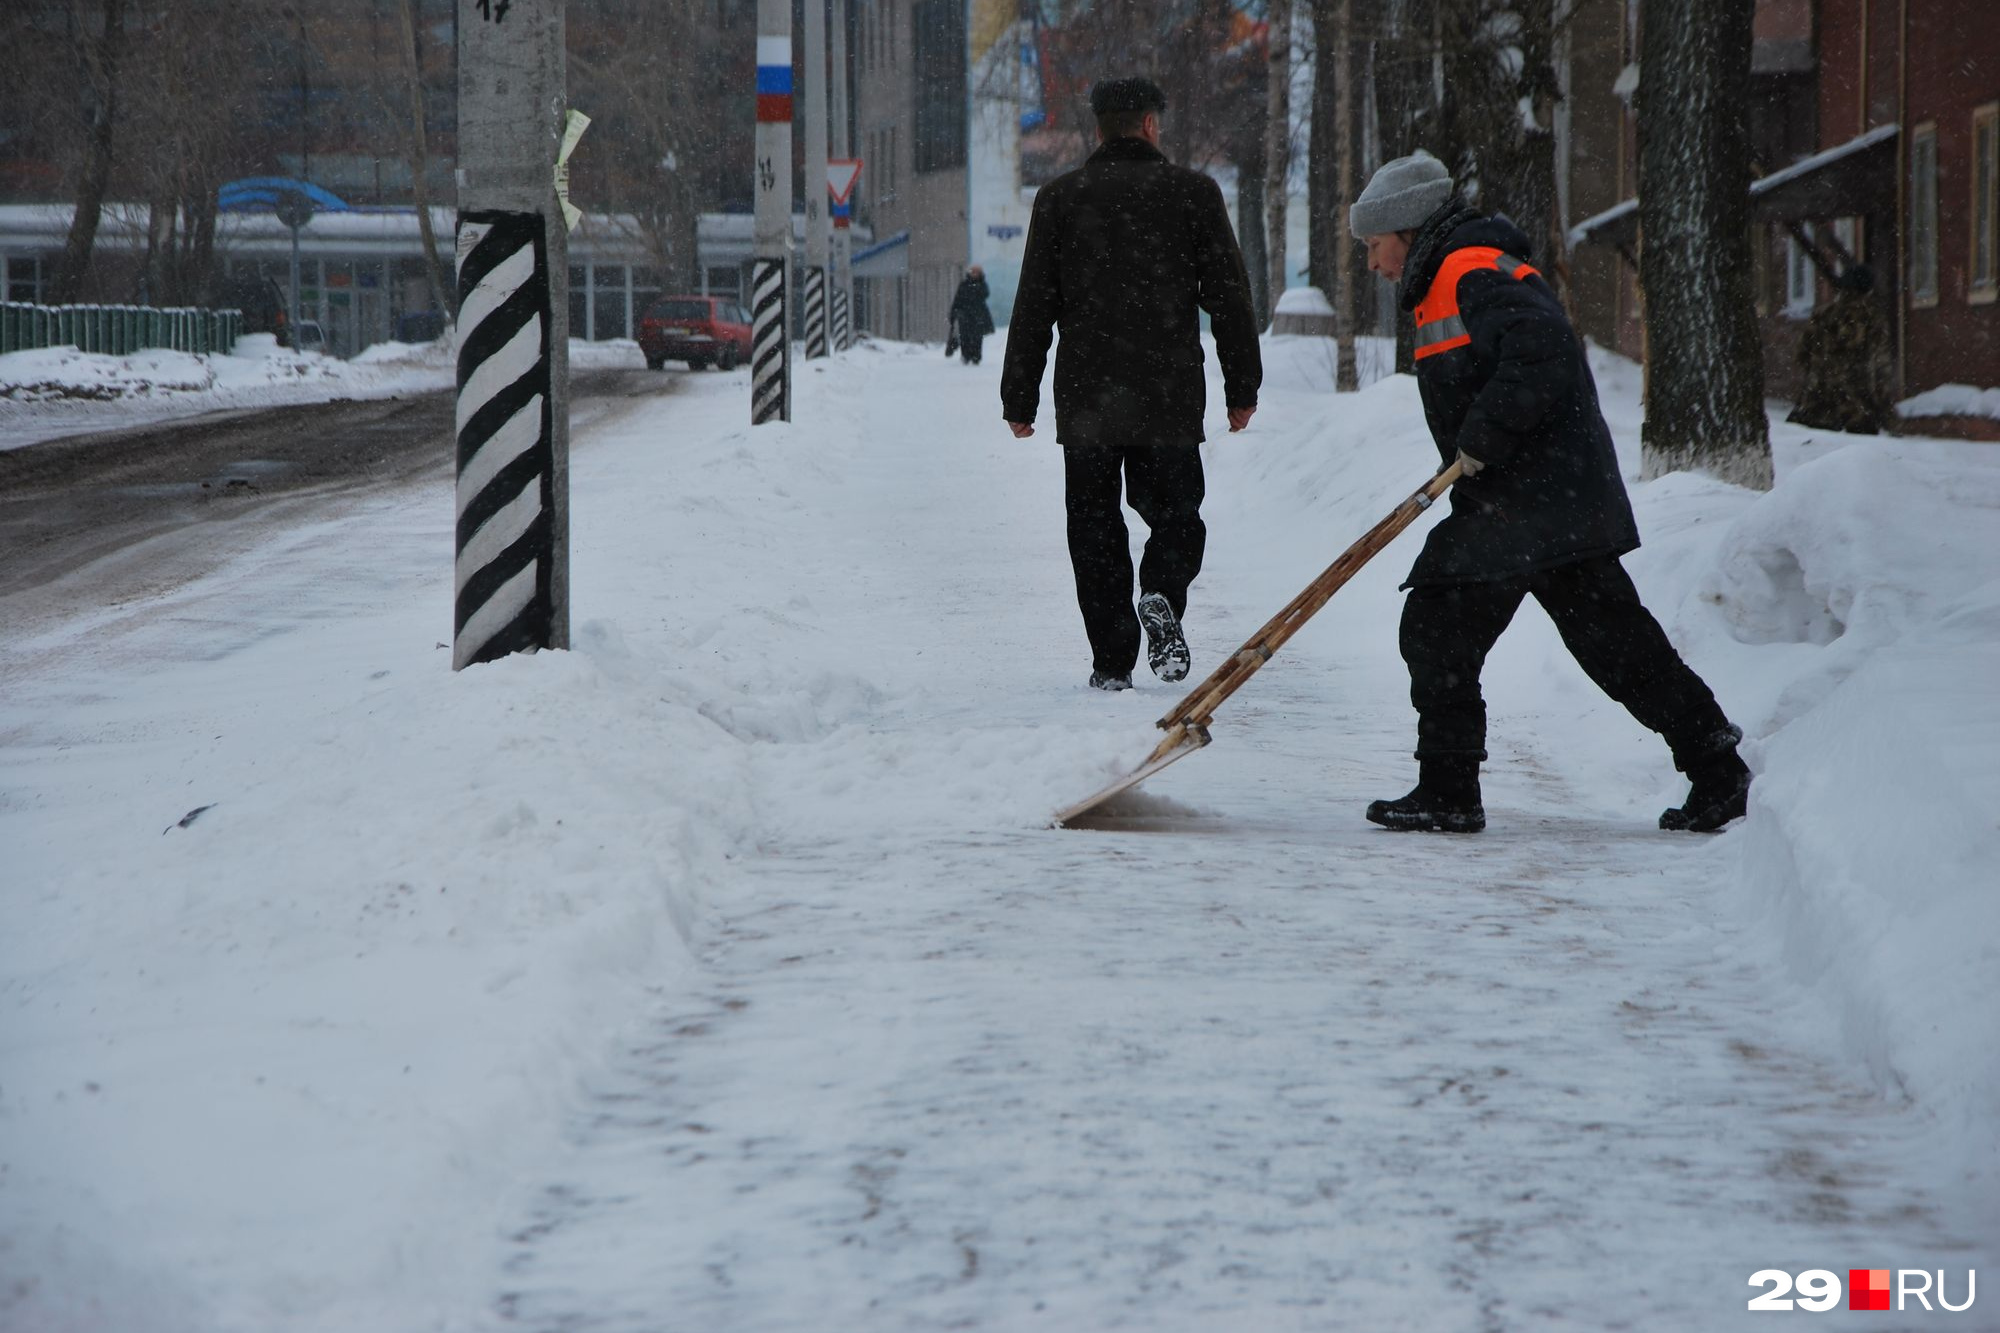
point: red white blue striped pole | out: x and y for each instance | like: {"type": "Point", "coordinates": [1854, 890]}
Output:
{"type": "Point", "coordinates": [770, 269]}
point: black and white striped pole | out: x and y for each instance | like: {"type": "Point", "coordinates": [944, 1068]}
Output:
{"type": "Point", "coordinates": [511, 573]}
{"type": "Point", "coordinates": [814, 122]}
{"type": "Point", "coordinates": [770, 267]}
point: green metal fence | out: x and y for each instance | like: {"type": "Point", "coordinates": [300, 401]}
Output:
{"type": "Point", "coordinates": [117, 329]}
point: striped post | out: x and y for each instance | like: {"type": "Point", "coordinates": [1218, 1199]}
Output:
{"type": "Point", "coordinates": [511, 569]}
{"type": "Point", "coordinates": [770, 347]}
{"type": "Point", "coordinates": [506, 452]}
{"type": "Point", "coordinates": [770, 273]}
{"type": "Point", "coordinates": [815, 313]}
{"type": "Point", "coordinates": [843, 337]}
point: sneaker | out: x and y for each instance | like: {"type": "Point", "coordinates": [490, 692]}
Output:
{"type": "Point", "coordinates": [1166, 646]}
{"type": "Point", "coordinates": [1104, 680]}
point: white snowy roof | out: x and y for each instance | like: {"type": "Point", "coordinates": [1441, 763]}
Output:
{"type": "Point", "coordinates": [1600, 227]}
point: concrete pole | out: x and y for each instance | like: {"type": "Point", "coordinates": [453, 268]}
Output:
{"type": "Point", "coordinates": [815, 178]}
{"type": "Point", "coordinates": [843, 243]}
{"type": "Point", "coordinates": [770, 269]}
{"type": "Point", "coordinates": [512, 567]}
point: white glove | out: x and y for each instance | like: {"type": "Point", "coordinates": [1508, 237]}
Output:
{"type": "Point", "coordinates": [1469, 464]}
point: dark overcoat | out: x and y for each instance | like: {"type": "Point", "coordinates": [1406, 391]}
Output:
{"type": "Point", "coordinates": [1509, 384]}
{"type": "Point", "coordinates": [969, 315]}
{"type": "Point", "coordinates": [1123, 255]}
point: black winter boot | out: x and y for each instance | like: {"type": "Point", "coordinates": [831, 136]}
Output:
{"type": "Point", "coordinates": [1446, 800]}
{"type": "Point", "coordinates": [1720, 789]}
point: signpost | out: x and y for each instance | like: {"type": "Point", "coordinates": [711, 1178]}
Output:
{"type": "Point", "coordinates": [770, 286]}
{"type": "Point", "coordinates": [815, 169]}
{"type": "Point", "coordinates": [841, 176]}
{"type": "Point", "coordinates": [838, 148]}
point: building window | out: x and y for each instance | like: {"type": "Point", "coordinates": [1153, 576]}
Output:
{"type": "Point", "coordinates": [1985, 267]}
{"type": "Point", "coordinates": [24, 279]}
{"type": "Point", "coordinates": [1801, 275]}
{"type": "Point", "coordinates": [1923, 216]}
{"type": "Point", "coordinates": [937, 52]}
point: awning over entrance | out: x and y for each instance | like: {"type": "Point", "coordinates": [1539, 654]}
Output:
{"type": "Point", "coordinates": [1857, 178]}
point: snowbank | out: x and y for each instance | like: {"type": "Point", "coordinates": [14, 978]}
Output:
{"type": "Point", "coordinates": [1953, 400]}
{"type": "Point", "coordinates": [56, 391]}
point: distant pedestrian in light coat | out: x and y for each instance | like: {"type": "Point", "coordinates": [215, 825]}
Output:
{"type": "Point", "coordinates": [1123, 255]}
{"type": "Point", "coordinates": [1541, 510]}
{"type": "Point", "coordinates": [1845, 356]}
{"type": "Point", "coordinates": [971, 321]}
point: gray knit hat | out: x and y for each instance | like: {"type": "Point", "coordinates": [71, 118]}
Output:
{"type": "Point", "coordinates": [1400, 196]}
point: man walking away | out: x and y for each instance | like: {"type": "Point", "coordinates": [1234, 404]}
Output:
{"type": "Point", "coordinates": [971, 321]}
{"type": "Point", "coordinates": [1541, 511]}
{"type": "Point", "coordinates": [1123, 255]}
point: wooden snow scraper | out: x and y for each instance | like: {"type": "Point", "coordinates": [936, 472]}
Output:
{"type": "Point", "coordinates": [1186, 724]}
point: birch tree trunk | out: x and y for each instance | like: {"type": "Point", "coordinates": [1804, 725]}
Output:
{"type": "Point", "coordinates": [1705, 381]}
{"type": "Point", "coordinates": [1277, 144]}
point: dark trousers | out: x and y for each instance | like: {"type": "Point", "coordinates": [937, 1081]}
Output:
{"type": "Point", "coordinates": [1164, 485]}
{"type": "Point", "coordinates": [968, 347]}
{"type": "Point", "coordinates": [1448, 630]}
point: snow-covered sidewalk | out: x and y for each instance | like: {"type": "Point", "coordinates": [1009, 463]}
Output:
{"type": "Point", "coordinates": [723, 972]}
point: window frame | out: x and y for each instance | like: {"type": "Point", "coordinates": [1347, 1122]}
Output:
{"type": "Point", "coordinates": [1983, 289]}
{"type": "Point", "coordinates": [1800, 296]}
{"type": "Point", "coordinates": [1923, 287]}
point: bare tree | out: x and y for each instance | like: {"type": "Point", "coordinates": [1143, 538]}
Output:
{"type": "Point", "coordinates": [99, 47]}
{"type": "Point", "coordinates": [184, 137]}
{"type": "Point", "coordinates": [662, 146]}
{"type": "Point", "coordinates": [1277, 143]}
{"type": "Point", "coordinates": [1705, 368]}
{"type": "Point", "coordinates": [444, 289]}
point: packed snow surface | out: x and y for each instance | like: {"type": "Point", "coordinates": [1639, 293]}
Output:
{"type": "Point", "coordinates": [724, 973]}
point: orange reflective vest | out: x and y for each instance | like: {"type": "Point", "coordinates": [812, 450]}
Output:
{"type": "Point", "coordinates": [1439, 327]}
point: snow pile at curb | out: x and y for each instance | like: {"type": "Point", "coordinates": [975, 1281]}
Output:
{"type": "Point", "coordinates": [1865, 583]}
{"type": "Point", "coordinates": [1952, 400]}
{"type": "Point", "coordinates": [57, 391]}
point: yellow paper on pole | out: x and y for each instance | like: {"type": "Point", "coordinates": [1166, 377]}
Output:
{"type": "Point", "coordinates": [574, 124]}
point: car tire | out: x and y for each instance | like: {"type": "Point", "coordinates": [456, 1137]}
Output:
{"type": "Point", "coordinates": [727, 361]}
{"type": "Point", "coordinates": [656, 363]}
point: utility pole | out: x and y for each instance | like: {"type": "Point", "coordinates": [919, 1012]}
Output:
{"type": "Point", "coordinates": [770, 271]}
{"type": "Point", "coordinates": [842, 302]}
{"type": "Point", "coordinates": [815, 174]}
{"type": "Point", "coordinates": [512, 568]}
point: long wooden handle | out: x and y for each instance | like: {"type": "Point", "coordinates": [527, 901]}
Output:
{"type": "Point", "coordinates": [1201, 702]}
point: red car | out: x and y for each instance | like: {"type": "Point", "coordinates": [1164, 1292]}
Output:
{"type": "Point", "coordinates": [700, 330]}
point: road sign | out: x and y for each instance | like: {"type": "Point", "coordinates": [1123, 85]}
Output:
{"type": "Point", "coordinates": [841, 174]}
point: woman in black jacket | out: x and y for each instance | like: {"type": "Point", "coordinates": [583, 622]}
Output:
{"type": "Point", "coordinates": [1541, 510]}
{"type": "Point", "coordinates": [971, 321]}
